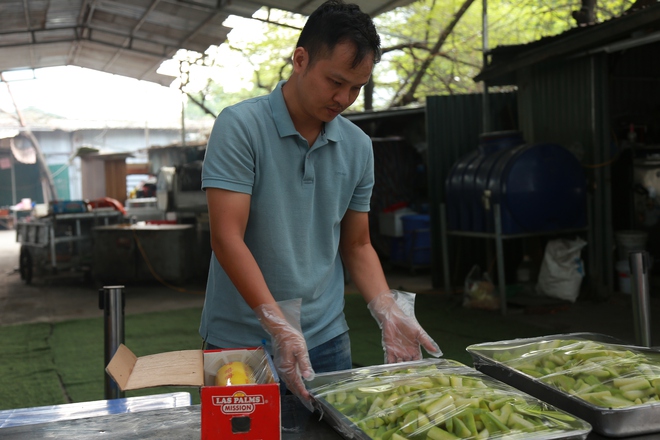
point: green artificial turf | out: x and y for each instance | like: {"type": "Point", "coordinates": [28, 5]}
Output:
{"type": "Point", "coordinates": [451, 326]}
{"type": "Point", "coordinates": [51, 364]}
{"type": "Point", "coordinates": [28, 375]}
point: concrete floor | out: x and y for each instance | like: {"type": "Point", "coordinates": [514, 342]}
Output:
{"type": "Point", "coordinates": [68, 298]}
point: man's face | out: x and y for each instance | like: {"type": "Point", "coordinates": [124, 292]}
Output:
{"type": "Point", "coordinates": [330, 84]}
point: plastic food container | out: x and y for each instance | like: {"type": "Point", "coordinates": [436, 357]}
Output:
{"type": "Point", "coordinates": [613, 386]}
{"type": "Point", "coordinates": [435, 399]}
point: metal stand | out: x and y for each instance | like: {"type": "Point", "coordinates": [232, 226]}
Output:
{"type": "Point", "coordinates": [499, 238]}
{"type": "Point", "coordinates": [639, 268]}
{"type": "Point", "coordinates": [111, 300]}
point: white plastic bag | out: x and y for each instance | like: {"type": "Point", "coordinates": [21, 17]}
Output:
{"type": "Point", "coordinates": [562, 269]}
{"type": "Point", "coordinates": [479, 292]}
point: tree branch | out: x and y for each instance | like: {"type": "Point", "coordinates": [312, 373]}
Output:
{"type": "Point", "coordinates": [410, 95]}
{"type": "Point", "coordinates": [201, 105]}
{"type": "Point", "coordinates": [411, 45]}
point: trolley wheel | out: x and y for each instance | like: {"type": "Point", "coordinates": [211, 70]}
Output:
{"type": "Point", "coordinates": [25, 265]}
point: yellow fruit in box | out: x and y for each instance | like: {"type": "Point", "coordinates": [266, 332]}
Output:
{"type": "Point", "coordinates": [234, 373]}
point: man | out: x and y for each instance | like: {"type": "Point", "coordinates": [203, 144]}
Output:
{"type": "Point", "coordinates": [288, 183]}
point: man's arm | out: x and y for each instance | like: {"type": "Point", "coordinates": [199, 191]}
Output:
{"type": "Point", "coordinates": [228, 216]}
{"type": "Point", "coordinates": [359, 256]}
{"type": "Point", "coordinates": [401, 333]}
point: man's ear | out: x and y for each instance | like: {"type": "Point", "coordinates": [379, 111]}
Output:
{"type": "Point", "coordinates": [300, 59]}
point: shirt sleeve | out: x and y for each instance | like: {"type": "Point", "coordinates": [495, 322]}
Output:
{"type": "Point", "coordinates": [229, 161]}
{"type": "Point", "coordinates": [362, 195]}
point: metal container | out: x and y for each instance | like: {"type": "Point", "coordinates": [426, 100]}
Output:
{"type": "Point", "coordinates": [124, 254]}
{"type": "Point", "coordinates": [387, 380]}
{"type": "Point", "coordinates": [611, 422]}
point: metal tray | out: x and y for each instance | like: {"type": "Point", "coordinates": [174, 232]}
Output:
{"type": "Point", "coordinates": [577, 429]}
{"type": "Point", "coordinates": [611, 422]}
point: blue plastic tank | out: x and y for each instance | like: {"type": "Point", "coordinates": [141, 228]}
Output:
{"type": "Point", "coordinates": [457, 210]}
{"type": "Point", "coordinates": [540, 187]}
{"type": "Point", "coordinates": [464, 207]}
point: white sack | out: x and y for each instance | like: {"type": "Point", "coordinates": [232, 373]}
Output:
{"type": "Point", "coordinates": [562, 269]}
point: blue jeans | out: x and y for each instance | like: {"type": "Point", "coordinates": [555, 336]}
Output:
{"type": "Point", "coordinates": [333, 355]}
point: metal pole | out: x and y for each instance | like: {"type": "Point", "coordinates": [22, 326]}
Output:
{"type": "Point", "coordinates": [639, 271]}
{"type": "Point", "coordinates": [445, 248]}
{"type": "Point", "coordinates": [499, 252]}
{"type": "Point", "coordinates": [183, 122]}
{"type": "Point", "coordinates": [14, 214]}
{"type": "Point", "coordinates": [111, 300]}
{"type": "Point", "coordinates": [484, 43]}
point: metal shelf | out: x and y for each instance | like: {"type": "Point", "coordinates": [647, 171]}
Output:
{"type": "Point", "coordinates": [499, 238]}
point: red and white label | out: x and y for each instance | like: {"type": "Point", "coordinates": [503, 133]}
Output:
{"type": "Point", "coordinates": [238, 403]}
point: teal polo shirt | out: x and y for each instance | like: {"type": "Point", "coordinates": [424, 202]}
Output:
{"type": "Point", "coordinates": [299, 196]}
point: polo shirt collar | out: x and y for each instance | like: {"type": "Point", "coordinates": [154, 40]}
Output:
{"type": "Point", "coordinates": [284, 124]}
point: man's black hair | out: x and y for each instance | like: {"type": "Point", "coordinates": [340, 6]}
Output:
{"type": "Point", "coordinates": [336, 22]}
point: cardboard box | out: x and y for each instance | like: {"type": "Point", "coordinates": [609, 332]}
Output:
{"type": "Point", "coordinates": [245, 412]}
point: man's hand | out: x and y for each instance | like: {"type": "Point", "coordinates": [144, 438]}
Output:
{"type": "Point", "coordinates": [290, 354]}
{"type": "Point", "coordinates": [402, 335]}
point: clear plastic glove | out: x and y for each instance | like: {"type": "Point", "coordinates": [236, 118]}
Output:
{"type": "Point", "coordinates": [402, 335]}
{"type": "Point", "coordinates": [290, 355]}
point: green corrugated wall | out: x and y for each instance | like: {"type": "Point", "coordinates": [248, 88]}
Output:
{"type": "Point", "coordinates": [454, 124]}
{"type": "Point", "coordinates": [26, 184]}
{"type": "Point", "coordinates": [567, 103]}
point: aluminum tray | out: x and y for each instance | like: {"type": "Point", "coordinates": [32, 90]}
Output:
{"type": "Point", "coordinates": [349, 379]}
{"type": "Point", "coordinates": [611, 422]}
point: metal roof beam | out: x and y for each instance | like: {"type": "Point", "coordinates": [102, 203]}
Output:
{"type": "Point", "coordinates": [183, 41]}
{"type": "Point", "coordinates": [104, 43]}
{"type": "Point", "coordinates": [199, 6]}
{"type": "Point", "coordinates": [75, 46]}
{"type": "Point", "coordinates": [127, 40]}
{"type": "Point", "coordinates": [136, 35]}
{"type": "Point", "coordinates": [26, 15]}
{"type": "Point", "coordinates": [80, 37]}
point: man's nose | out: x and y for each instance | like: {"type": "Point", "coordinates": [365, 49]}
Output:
{"type": "Point", "coordinates": [343, 97]}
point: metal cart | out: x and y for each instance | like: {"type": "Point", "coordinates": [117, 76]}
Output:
{"type": "Point", "coordinates": [60, 242]}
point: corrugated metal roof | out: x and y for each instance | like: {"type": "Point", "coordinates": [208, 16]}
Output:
{"type": "Point", "coordinates": [635, 26]}
{"type": "Point", "coordinates": [127, 37]}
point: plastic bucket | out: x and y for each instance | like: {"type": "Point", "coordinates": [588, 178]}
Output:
{"type": "Point", "coordinates": [629, 241]}
{"type": "Point", "coordinates": [623, 276]}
